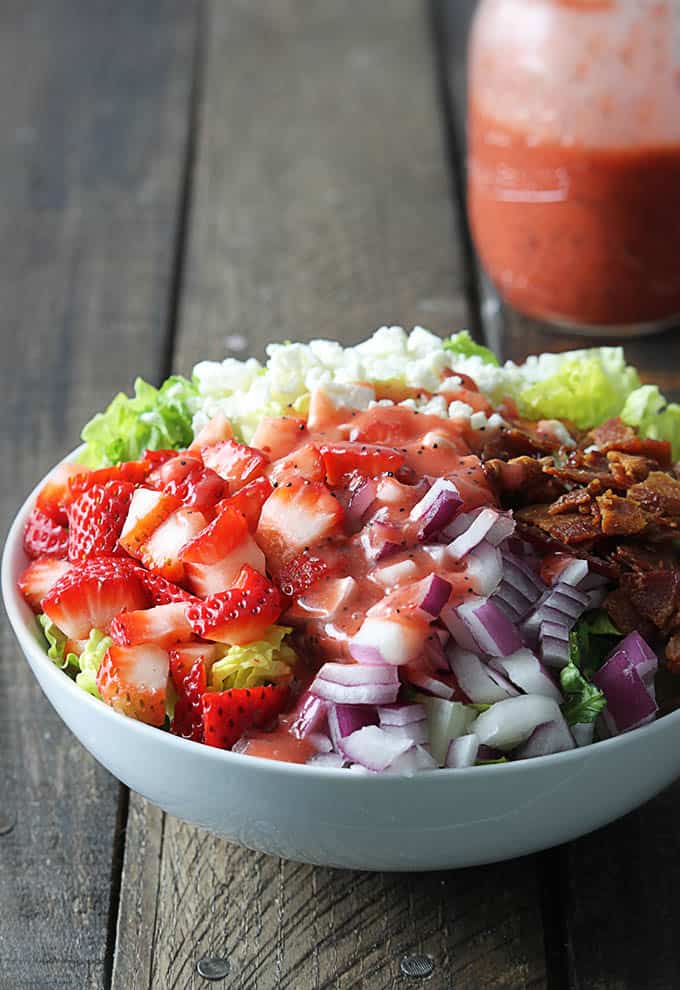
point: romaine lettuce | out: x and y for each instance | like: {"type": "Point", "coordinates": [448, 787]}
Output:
{"type": "Point", "coordinates": [267, 660]}
{"type": "Point", "coordinates": [647, 409]}
{"type": "Point", "coordinates": [463, 344]}
{"type": "Point", "coordinates": [90, 660]}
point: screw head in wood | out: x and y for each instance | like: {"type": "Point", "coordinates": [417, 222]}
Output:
{"type": "Point", "coordinates": [417, 967]}
{"type": "Point", "coordinates": [213, 968]}
{"type": "Point", "coordinates": [6, 824]}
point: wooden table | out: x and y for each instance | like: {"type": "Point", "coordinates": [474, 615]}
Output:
{"type": "Point", "coordinates": [183, 180]}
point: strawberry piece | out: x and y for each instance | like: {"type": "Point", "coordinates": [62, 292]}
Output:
{"type": "Point", "coordinates": [187, 721]}
{"type": "Point", "coordinates": [306, 462]}
{"type": "Point", "coordinates": [164, 625]}
{"type": "Point", "coordinates": [44, 535]}
{"type": "Point", "coordinates": [368, 460]}
{"type": "Point", "coordinates": [277, 436]}
{"type": "Point", "coordinates": [133, 680]}
{"type": "Point", "coordinates": [249, 500]}
{"type": "Point", "coordinates": [148, 509]}
{"type": "Point", "coordinates": [184, 656]}
{"type": "Point", "coordinates": [161, 590]}
{"type": "Point", "coordinates": [235, 462]}
{"type": "Point", "coordinates": [54, 495]}
{"type": "Point", "coordinates": [300, 573]}
{"type": "Point", "coordinates": [214, 558]}
{"type": "Point", "coordinates": [90, 594]}
{"type": "Point", "coordinates": [40, 577]}
{"type": "Point", "coordinates": [296, 515]}
{"type": "Point", "coordinates": [239, 615]}
{"type": "Point", "coordinates": [172, 471]}
{"type": "Point", "coordinates": [227, 715]}
{"type": "Point", "coordinates": [154, 458]}
{"type": "Point", "coordinates": [133, 472]}
{"type": "Point", "coordinates": [96, 519]}
{"type": "Point", "coordinates": [219, 428]}
{"type": "Point", "coordinates": [160, 553]}
{"type": "Point", "coordinates": [193, 484]}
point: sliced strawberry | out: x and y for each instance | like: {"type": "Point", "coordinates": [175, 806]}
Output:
{"type": "Point", "coordinates": [184, 656]}
{"type": "Point", "coordinates": [187, 721]}
{"type": "Point", "coordinates": [54, 495]}
{"type": "Point", "coordinates": [305, 462]}
{"type": "Point", "coordinates": [235, 462]}
{"type": "Point", "coordinates": [161, 552]}
{"type": "Point", "coordinates": [300, 573]}
{"type": "Point", "coordinates": [214, 558]}
{"type": "Point", "coordinates": [228, 714]}
{"type": "Point", "coordinates": [148, 509]}
{"type": "Point", "coordinates": [154, 458]}
{"type": "Point", "coordinates": [277, 436]}
{"type": "Point", "coordinates": [133, 680]}
{"type": "Point", "coordinates": [237, 616]}
{"type": "Point", "coordinates": [161, 590]}
{"type": "Point", "coordinates": [185, 477]}
{"type": "Point", "coordinates": [296, 515]}
{"type": "Point", "coordinates": [44, 535]}
{"type": "Point", "coordinates": [368, 460]}
{"type": "Point", "coordinates": [40, 577]}
{"type": "Point", "coordinates": [95, 519]}
{"type": "Point", "coordinates": [249, 500]}
{"type": "Point", "coordinates": [219, 538]}
{"type": "Point", "coordinates": [90, 594]}
{"type": "Point", "coordinates": [172, 471]}
{"type": "Point", "coordinates": [219, 428]}
{"type": "Point", "coordinates": [133, 472]}
{"type": "Point", "coordinates": [252, 580]}
{"type": "Point", "coordinates": [164, 625]}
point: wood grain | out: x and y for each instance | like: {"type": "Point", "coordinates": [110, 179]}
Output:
{"type": "Point", "coordinates": [93, 125]}
{"type": "Point", "coordinates": [320, 205]}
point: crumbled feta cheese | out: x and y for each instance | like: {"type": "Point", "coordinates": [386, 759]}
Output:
{"type": "Point", "coordinates": [460, 410]}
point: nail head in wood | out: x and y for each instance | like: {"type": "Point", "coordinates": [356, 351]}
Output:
{"type": "Point", "coordinates": [213, 969]}
{"type": "Point", "coordinates": [417, 967]}
{"type": "Point", "coordinates": [6, 824]}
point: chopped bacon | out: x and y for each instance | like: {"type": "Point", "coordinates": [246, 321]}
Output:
{"type": "Point", "coordinates": [638, 557]}
{"type": "Point", "coordinates": [629, 468]}
{"type": "Point", "coordinates": [655, 594]}
{"type": "Point", "coordinates": [673, 653]}
{"type": "Point", "coordinates": [576, 499]}
{"type": "Point", "coordinates": [620, 516]}
{"type": "Point", "coordinates": [659, 494]}
{"type": "Point", "coordinates": [625, 616]}
{"type": "Point", "coordinates": [570, 528]}
{"type": "Point", "coordinates": [610, 434]}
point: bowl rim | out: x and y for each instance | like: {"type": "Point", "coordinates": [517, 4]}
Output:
{"type": "Point", "coordinates": [15, 606]}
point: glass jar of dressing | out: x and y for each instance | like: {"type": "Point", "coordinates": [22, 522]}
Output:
{"type": "Point", "coordinates": [574, 159]}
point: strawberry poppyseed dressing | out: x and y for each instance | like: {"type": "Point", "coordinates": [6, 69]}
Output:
{"type": "Point", "coordinates": [574, 158]}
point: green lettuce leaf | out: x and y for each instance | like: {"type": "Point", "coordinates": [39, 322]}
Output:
{"type": "Point", "coordinates": [586, 389]}
{"type": "Point", "coordinates": [153, 418]}
{"type": "Point", "coordinates": [90, 659]}
{"type": "Point", "coordinates": [647, 409]}
{"type": "Point", "coordinates": [56, 643]}
{"type": "Point", "coordinates": [592, 640]}
{"type": "Point", "coordinates": [584, 701]}
{"type": "Point", "coordinates": [265, 661]}
{"type": "Point", "coordinates": [463, 344]}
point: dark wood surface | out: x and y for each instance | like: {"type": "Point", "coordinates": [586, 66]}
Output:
{"type": "Point", "coordinates": [184, 180]}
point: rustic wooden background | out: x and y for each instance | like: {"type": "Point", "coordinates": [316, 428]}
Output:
{"type": "Point", "coordinates": [182, 180]}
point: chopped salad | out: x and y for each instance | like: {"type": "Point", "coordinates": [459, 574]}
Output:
{"type": "Point", "coordinates": [385, 558]}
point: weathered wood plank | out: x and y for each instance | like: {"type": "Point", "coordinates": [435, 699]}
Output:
{"type": "Point", "coordinates": [321, 206]}
{"type": "Point", "coordinates": [93, 122]}
{"type": "Point", "coordinates": [615, 890]}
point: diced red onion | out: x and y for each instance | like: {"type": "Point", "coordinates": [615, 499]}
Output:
{"type": "Point", "coordinates": [437, 592]}
{"type": "Point", "coordinates": [333, 760]}
{"type": "Point", "coordinates": [511, 602]}
{"type": "Point", "coordinates": [641, 656]}
{"type": "Point", "coordinates": [518, 574]}
{"type": "Point", "coordinates": [437, 508]}
{"type": "Point", "coordinates": [462, 752]}
{"type": "Point", "coordinates": [491, 629]}
{"type": "Point", "coordinates": [553, 644]}
{"type": "Point", "coordinates": [393, 575]}
{"type": "Point", "coordinates": [509, 723]}
{"type": "Point", "coordinates": [446, 720]}
{"type": "Point", "coordinates": [386, 641]}
{"type": "Point", "coordinates": [434, 651]}
{"type": "Point", "coordinates": [484, 569]}
{"type": "Point", "coordinates": [459, 631]}
{"type": "Point", "coordinates": [442, 634]}
{"type": "Point", "coordinates": [378, 541]}
{"type": "Point", "coordinates": [355, 694]}
{"type": "Point", "coordinates": [573, 572]}
{"type": "Point", "coordinates": [526, 671]}
{"type": "Point", "coordinates": [373, 748]}
{"type": "Point", "coordinates": [415, 732]}
{"type": "Point", "coordinates": [480, 683]}
{"type": "Point", "coordinates": [439, 555]}
{"type": "Point", "coordinates": [583, 733]}
{"type": "Point", "coordinates": [343, 720]}
{"type": "Point", "coordinates": [431, 685]}
{"type": "Point", "coordinates": [355, 673]}
{"type": "Point", "coordinates": [413, 760]}
{"type": "Point", "coordinates": [401, 714]}
{"type": "Point", "coordinates": [320, 742]}
{"type": "Point", "coordinates": [310, 713]}
{"type": "Point", "coordinates": [502, 529]}
{"type": "Point", "coordinates": [550, 737]}
{"type": "Point", "coordinates": [626, 679]}
{"type": "Point", "coordinates": [562, 605]}
{"type": "Point", "coordinates": [596, 597]}
{"type": "Point", "coordinates": [478, 530]}
{"type": "Point", "coordinates": [362, 499]}
{"type": "Point", "coordinates": [326, 600]}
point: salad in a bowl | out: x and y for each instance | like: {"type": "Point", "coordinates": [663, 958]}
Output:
{"type": "Point", "coordinates": [384, 558]}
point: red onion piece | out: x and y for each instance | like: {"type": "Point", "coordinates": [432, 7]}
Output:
{"type": "Point", "coordinates": [355, 694]}
{"type": "Point", "coordinates": [484, 569]}
{"type": "Point", "coordinates": [362, 499]}
{"type": "Point", "coordinates": [332, 760]}
{"type": "Point", "coordinates": [550, 737]}
{"type": "Point", "coordinates": [572, 573]}
{"type": "Point", "coordinates": [526, 672]}
{"type": "Point", "coordinates": [519, 575]}
{"type": "Point", "coordinates": [462, 752]}
{"type": "Point", "coordinates": [553, 644]}
{"type": "Point", "coordinates": [562, 604]}
{"type": "Point", "coordinates": [355, 673]}
{"type": "Point", "coordinates": [415, 732]}
{"type": "Point", "coordinates": [446, 720]}
{"type": "Point", "coordinates": [373, 748]}
{"type": "Point", "coordinates": [459, 631]}
{"type": "Point", "coordinates": [320, 742]}
{"type": "Point", "coordinates": [327, 598]}
{"type": "Point", "coordinates": [440, 504]}
{"type": "Point", "coordinates": [509, 723]}
{"type": "Point", "coordinates": [394, 575]}
{"type": "Point", "coordinates": [641, 656]}
{"type": "Point", "coordinates": [343, 720]}
{"type": "Point", "coordinates": [511, 602]}
{"type": "Point", "coordinates": [502, 529]}
{"type": "Point", "coordinates": [437, 592]}
{"type": "Point", "coordinates": [412, 761]}
{"type": "Point", "coordinates": [380, 540]}
{"type": "Point", "coordinates": [491, 629]}
{"type": "Point", "coordinates": [583, 733]}
{"type": "Point", "coordinates": [388, 641]}
{"type": "Point", "coordinates": [431, 685]}
{"type": "Point", "coordinates": [630, 701]}
{"type": "Point", "coordinates": [479, 529]}
{"type": "Point", "coordinates": [310, 714]}
{"type": "Point", "coordinates": [434, 651]}
{"type": "Point", "coordinates": [481, 684]}
{"type": "Point", "coordinates": [401, 714]}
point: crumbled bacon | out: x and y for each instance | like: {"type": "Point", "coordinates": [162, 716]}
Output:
{"type": "Point", "coordinates": [610, 434]}
{"type": "Point", "coordinates": [620, 516]}
{"type": "Point", "coordinates": [570, 528]}
{"type": "Point", "coordinates": [655, 594]}
{"type": "Point", "coordinates": [576, 499]}
{"type": "Point", "coordinates": [629, 468]}
{"type": "Point", "coordinates": [638, 557]}
{"type": "Point", "coordinates": [659, 494]}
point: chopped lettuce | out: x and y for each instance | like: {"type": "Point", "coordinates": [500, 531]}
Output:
{"type": "Point", "coordinates": [265, 661]}
{"type": "Point", "coordinates": [90, 660]}
{"type": "Point", "coordinates": [56, 643]}
{"type": "Point", "coordinates": [590, 642]}
{"type": "Point", "coordinates": [463, 344]}
{"type": "Point", "coordinates": [647, 409]}
{"type": "Point", "coordinates": [154, 418]}
{"type": "Point", "coordinates": [586, 388]}
{"type": "Point", "coordinates": [584, 701]}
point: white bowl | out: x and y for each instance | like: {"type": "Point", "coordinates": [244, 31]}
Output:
{"type": "Point", "coordinates": [434, 820]}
